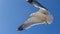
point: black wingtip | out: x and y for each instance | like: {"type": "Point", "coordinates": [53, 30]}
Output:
{"type": "Point", "coordinates": [20, 28]}
{"type": "Point", "coordinates": [30, 1]}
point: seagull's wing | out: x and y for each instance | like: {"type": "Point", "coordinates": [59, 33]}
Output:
{"type": "Point", "coordinates": [36, 4]}
{"type": "Point", "coordinates": [34, 20]}
{"type": "Point", "coordinates": [29, 23]}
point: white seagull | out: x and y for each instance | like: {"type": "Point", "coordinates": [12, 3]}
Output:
{"type": "Point", "coordinates": [42, 16]}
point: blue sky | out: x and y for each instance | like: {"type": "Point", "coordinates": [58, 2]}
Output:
{"type": "Point", "coordinates": [13, 13]}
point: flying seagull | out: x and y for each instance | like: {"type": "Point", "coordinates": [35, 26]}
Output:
{"type": "Point", "coordinates": [42, 16]}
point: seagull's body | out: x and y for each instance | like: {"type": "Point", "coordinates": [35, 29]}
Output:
{"type": "Point", "coordinates": [42, 16]}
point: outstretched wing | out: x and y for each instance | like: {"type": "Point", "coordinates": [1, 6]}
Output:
{"type": "Point", "coordinates": [30, 22]}
{"type": "Point", "coordinates": [36, 4]}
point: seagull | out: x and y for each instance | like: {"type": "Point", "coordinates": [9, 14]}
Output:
{"type": "Point", "coordinates": [42, 16]}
